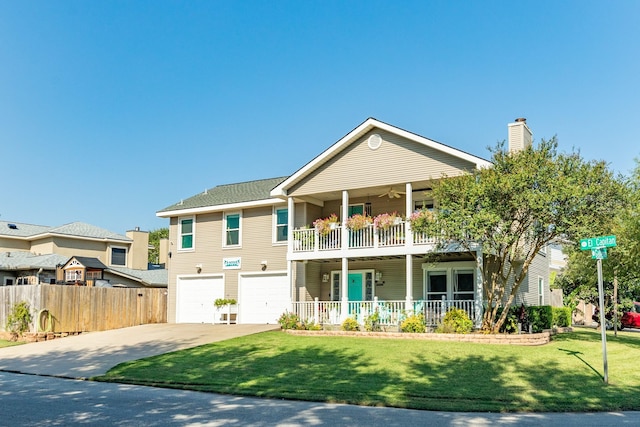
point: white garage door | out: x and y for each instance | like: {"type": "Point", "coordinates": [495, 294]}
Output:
{"type": "Point", "coordinates": [195, 297]}
{"type": "Point", "coordinates": [263, 298]}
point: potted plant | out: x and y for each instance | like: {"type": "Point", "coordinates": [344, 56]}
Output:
{"type": "Point", "coordinates": [421, 220]}
{"type": "Point", "coordinates": [358, 222]}
{"type": "Point", "coordinates": [225, 307]}
{"type": "Point", "coordinates": [385, 220]}
{"type": "Point", "coordinates": [324, 225]}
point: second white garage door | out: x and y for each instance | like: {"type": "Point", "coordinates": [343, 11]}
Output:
{"type": "Point", "coordinates": [262, 298]}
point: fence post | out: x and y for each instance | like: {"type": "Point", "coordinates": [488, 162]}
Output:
{"type": "Point", "coordinates": [316, 311]}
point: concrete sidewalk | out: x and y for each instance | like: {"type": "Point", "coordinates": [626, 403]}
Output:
{"type": "Point", "coordinates": [94, 353]}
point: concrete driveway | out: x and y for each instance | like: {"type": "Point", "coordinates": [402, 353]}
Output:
{"type": "Point", "coordinates": [94, 353]}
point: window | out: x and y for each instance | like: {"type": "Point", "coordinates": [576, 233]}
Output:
{"type": "Point", "coordinates": [540, 291]}
{"type": "Point", "coordinates": [436, 285]}
{"type": "Point", "coordinates": [185, 233]}
{"type": "Point", "coordinates": [72, 275]}
{"type": "Point", "coordinates": [8, 281]}
{"type": "Point", "coordinates": [232, 229]}
{"type": "Point", "coordinates": [281, 224]}
{"type": "Point", "coordinates": [119, 256]}
{"type": "Point", "coordinates": [463, 286]}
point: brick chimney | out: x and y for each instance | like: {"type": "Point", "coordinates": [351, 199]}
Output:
{"type": "Point", "coordinates": [520, 136]}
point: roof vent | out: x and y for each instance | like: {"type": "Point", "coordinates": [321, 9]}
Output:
{"type": "Point", "coordinates": [12, 226]}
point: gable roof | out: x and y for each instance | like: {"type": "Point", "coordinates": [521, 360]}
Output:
{"type": "Point", "coordinates": [359, 131]}
{"type": "Point", "coordinates": [88, 262]}
{"type": "Point", "coordinates": [225, 197]}
{"type": "Point", "coordinates": [74, 229]}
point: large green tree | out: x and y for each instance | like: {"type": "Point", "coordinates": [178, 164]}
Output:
{"type": "Point", "coordinates": [579, 279]}
{"type": "Point", "coordinates": [508, 212]}
{"type": "Point", "coordinates": [154, 240]}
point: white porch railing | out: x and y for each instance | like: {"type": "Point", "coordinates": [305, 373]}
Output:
{"type": "Point", "coordinates": [309, 240]}
{"type": "Point", "coordinates": [391, 313]}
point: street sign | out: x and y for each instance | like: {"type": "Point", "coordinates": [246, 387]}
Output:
{"type": "Point", "coordinates": [599, 253]}
{"type": "Point", "coordinates": [597, 242]}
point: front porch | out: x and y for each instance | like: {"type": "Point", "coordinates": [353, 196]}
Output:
{"type": "Point", "coordinates": [390, 313]}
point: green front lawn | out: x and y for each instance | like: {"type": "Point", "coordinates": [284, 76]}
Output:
{"type": "Point", "coordinates": [5, 343]}
{"type": "Point", "coordinates": [565, 375]}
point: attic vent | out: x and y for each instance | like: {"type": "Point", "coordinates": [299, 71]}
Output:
{"type": "Point", "coordinates": [12, 226]}
{"type": "Point", "coordinates": [374, 141]}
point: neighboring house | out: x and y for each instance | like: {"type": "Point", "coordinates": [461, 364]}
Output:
{"type": "Point", "coordinates": [256, 241]}
{"type": "Point", "coordinates": [31, 254]}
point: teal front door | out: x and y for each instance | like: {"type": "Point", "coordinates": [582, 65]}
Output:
{"type": "Point", "coordinates": [355, 287]}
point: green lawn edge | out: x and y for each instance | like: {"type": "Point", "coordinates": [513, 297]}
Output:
{"type": "Point", "coordinates": [565, 375]}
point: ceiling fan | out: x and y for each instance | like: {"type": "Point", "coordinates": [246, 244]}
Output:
{"type": "Point", "coordinates": [391, 193]}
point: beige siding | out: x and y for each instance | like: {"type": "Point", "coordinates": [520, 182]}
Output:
{"type": "Point", "coordinates": [13, 245]}
{"type": "Point", "coordinates": [397, 161]}
{"type": "Point", "coordinates": [257, 246]}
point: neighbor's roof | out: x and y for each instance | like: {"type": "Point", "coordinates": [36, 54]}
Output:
{"type": "Point", "coordinates": [226, 195]}
{"type": "Point", "coordinates": [22, 260]}
{"type": "Point", "coordinates": [155, 278]}
{"type": "Point", "coordinates": [89, 262]}
{"type": "Point", "coordinates": [76, 229]}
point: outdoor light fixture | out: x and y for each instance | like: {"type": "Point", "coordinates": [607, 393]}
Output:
{"type": "Point", "coordinates": [378, 275]}
{"type": "Point", "coordinates": [325, 277]}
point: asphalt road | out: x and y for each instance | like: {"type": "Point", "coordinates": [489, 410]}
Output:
{"type": "Point", "coordinates": [32, 400]}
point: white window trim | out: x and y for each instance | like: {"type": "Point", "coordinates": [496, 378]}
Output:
{"type": "Point", "coordinates": [449, 268]}
{"type": "Point", "coordinates": [274, 226]}
{"type": "Point", "coordinates": [540, 290]}
{"type": "Point", "coordinates": [224, 230]}
{"type": "Point", "coordinates": [193, 234]}
{"type": "Point", "coordinates": [126, 256]}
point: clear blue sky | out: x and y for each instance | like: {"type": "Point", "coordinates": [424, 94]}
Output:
{"type": "Point", "coordinates": [113, 110]}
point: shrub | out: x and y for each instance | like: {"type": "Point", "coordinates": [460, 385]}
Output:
{"type": "Point", "coordinates": [372, 322]}
{"type": "Point", "coordinates": [312, 326]}
{"type": "Point", "coordinates": [561, 316]}
{"type": "Point", "coordinates": [350, 324]}
{"type": "Point", "coordinates": [541, 317]}
{"type": "Point", "coordinates": [414, 324]}
{"type": "Point", "coordinates": [456, 321]}
{"type": "Point", "coordinates": [289, 320]}
{"type": "Point", "coordinates": [19, 319]}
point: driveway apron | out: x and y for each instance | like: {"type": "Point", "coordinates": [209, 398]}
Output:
{"type": "Point", "coordinates": [93, 353]}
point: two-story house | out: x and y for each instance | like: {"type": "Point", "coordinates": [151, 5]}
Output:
{"type": "Point", "coordinates": [292, 243]}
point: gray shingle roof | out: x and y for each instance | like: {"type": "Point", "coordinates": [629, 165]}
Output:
{"type": "Point", "coordinates": [155, 278]}
{"type": "Point", "coordinates": [22, 260]}
{"type": "Point", "coordinates": [228, 194]}
{"type": "Point", "coordinates": [89, 262]}
{"type": "Point", "coordinates": [77, 229]}
{"type": "Point", "coordinates": [21, 230]}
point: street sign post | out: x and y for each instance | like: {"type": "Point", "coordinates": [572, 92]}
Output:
{"type": "Point", "coordinates": [598, 247]}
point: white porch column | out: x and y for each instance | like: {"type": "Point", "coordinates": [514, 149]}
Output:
{"type": "Point", "coordinates": [291, 264]}
{"type": "Point", "coordinates": [409, 297]}
{"type": "Point", "coordinates": [408, 211]}
{"type": "Point", "coordinates": [344, 285]}
{"type": "Point", "coordinates": [344, 241]}
{"type": "Point", "coordinates": [479, 295]}
{"type": "Point", "coordinates": [290, 223]}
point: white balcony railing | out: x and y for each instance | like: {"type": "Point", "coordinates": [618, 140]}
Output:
{"type": "Point", "coordinates": [391, 313]}
{"type": "Point", "coordinates": [309, 240]}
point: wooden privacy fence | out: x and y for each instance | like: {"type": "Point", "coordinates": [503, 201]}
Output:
{"type": "Point", "coordinates": [59, 308]}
